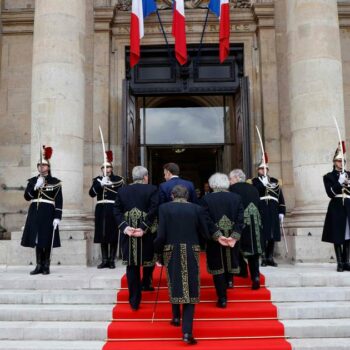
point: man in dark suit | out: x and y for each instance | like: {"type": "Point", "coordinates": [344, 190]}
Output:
{"type": "Point", "coordinates": [182, 225]}
{"type": "Point", "coordinates": [135, 211]}
{"type": "Point", "coordinates": [171, 176]}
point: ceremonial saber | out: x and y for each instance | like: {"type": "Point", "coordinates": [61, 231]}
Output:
{"type": "Point", "coordinates": [156, 301]}
{"type": "Point", "coordinates": [104, 152]}
{"type": "Point", "coordinates": [53, 236]}
{"type": "Point", "coordinates": [262, 149]}
{"type": "Point", "coordinates": [340, 144]}
{"type": "Point", "coordinates": [284, 236]}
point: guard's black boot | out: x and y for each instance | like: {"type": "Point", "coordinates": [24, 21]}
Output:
{"type": "Point", "coordinates": [339, 256]}
{"type": "Point", "coordinates": [271, 248]}
{"type": "Point", "coordinates": [346, 255]}
{"type": "Point", "coordinates": [46, 266]}
{"type": "Point", "coordinates": [112, 254]}
{"type": "Point", "coordinates": [104, 250]}
{"type": "Point", "coordinates": [39, 267]}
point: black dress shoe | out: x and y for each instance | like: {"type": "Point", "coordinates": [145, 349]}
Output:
{"type": "Point", "coordinates": [222, 303]}
{"type": "Point", "coordinates": [103, 265]}
{"type": "Point", "coordinates": [112, 265]}
{"type": "Point", "coordinates": [271, 262]}
{"type": "Point", "coordinates": [134, 307]}
{"type": "Point", "coordinates": [188, 338]}
{"type": "Point", "coordinates": [256, 283]}
{"type": "Point", "coordinates": [229, 284]}
{"type": "Point", "coordinates": [175, 322]}
{"type": "Point", "coordinates": [340, 267]}
{"type": "Point", "coordinates": [263, 262]}
{"type": "Point", "coordinates": [346, 266]}
{"type": "Point", "coordinates": [147, 288]}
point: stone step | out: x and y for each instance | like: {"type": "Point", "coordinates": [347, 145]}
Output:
{"type": "Point", "coordinates": [320, 344]}
{"type": "Point", "coordinates": [52, 345]}
{"type": "Point", "coordinates": [317, 328]}
{"type": "Point", "coordinates": [313, 310]}
{"type": "Point", "coordinates": [28, 330]}
{"type": "Point", "coordinates": [294, 294]}
{"type": "Point", "coordinates": [305, 275]}
{"type": "Point", "coordinates": [11, 312]}
{"type": "Point", "coordinates": [93, 297]}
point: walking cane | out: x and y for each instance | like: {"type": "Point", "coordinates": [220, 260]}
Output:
{"type": "Point", "coordinates": [156, 301]}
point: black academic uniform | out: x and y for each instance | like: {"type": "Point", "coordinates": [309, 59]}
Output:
{"type": "Point", "coordinates": [250, 242]}
{"type": "Point", "coordinates": [136, 206]}
{"type": "Point", "coordinates": [226, 211]}
{"type": "Point", "coordinates": [182, 226]}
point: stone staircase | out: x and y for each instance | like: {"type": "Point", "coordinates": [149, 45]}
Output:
{"type": "Point", "coordinates": [71, 308]}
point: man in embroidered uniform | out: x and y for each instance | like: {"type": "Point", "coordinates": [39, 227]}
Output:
{"type": "Point", "coordinates": [226, 211]}
{"type": "Point", "coordinates": [336, 227]}
{"type": "Point", "coordinates": [171, 176]}
{"type": "Point", "coordinates": [250, 242]}
{"type": "Point", "coordinates": [44, 214]}
{"type": "Point", "coordinates": [135, 211]}
{"type": "Point", "coordinates": [106, 232]}
{"type": "Point", "coordinates": [182, 226]}
{"type": "Point", "coordinates": [272, 209]}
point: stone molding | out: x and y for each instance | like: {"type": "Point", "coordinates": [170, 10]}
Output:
{"type": "Point", "coordinates": [17, 22]}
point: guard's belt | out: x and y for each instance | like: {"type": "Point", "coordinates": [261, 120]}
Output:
{"type": "Point", "coordinates": [269, 197]}
{"type": "Point", "coordinates": [342, 196]}
{"type": "Point", "coordinates": [105, 201]}
{"type": "Point", "coordinates": [41, 200]}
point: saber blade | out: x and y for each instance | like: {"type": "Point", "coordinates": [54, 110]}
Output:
{"type": "Point", "coordinates": [262, 149]}
{"type": "Point", "coordinates": [104, 152]}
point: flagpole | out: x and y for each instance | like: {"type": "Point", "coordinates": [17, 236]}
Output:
{"type": "Point", "coordinates": [165, 38]}
{"type": "Point", "coordinates": [202, 36]}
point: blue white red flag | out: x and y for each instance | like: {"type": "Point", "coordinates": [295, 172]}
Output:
{"type": "Point", "coordinates": [140, 10]}
{"type": "Point", "coordinates": [221, 8]}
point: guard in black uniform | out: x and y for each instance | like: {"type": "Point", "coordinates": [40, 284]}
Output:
{"type": "Point", "coordinates": [273, 210]}
{"type": "Point", "coordinates": [250, 242]}
{"type": "Point", "coordinates": [337, 222]}
{"type": "Point", "coordinates": [44, 215]}
{"type": "Point", "coordinates": [135, 210]}
{"type": "Point", "coordinates": [106, 231]}
{"type": "Point", "coordinates": [182, 227]}
{"type": "Point", "coordinates": [226, 211]}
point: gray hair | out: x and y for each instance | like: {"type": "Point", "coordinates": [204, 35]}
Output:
{"type": "Point", "coordinates": [138, 173]}
{"type": "Point", "coordinates": [179, 191]}
{"type": "Point", "coordinates": [239, 174]}
{"type": "Point", "coordinates": [219, 181]}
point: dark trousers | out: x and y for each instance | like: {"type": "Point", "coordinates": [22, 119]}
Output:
{"type": "Point", "coordinates": [187, 316]}
{"type": "Point", "coordinates": [147, 276]}
{"type": "Point", "coordinates": [134, 285]}
{"type": "Point", "coordinates": [220, 284]}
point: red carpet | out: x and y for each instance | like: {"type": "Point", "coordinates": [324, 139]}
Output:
{"type": "Point", "coordinates": [248, 323]}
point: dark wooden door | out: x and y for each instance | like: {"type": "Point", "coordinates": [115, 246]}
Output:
{"type": "Point", "coordinates": [242, 153]}
{"type": "Point", "coordinates": [131, 156]}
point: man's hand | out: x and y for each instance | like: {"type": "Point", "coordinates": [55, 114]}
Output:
{"type": "Point", "coordinates": [138, 232]}
{"type": "Point", "coordinates": [223, 241]}
{"type": "Point", "coordinates": [55, 223]}
{"type": "Point", "coordinates": [129, 231]}
{"type": "Point", "coordinates": [231, 242]}
{"type": "Point", "coordinates": [39, 182]}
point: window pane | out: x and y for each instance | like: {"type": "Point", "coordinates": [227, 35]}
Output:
{"type": "Point", "coordinates": [189, 125]}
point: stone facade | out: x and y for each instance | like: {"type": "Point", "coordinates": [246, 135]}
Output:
{"type": "Point", "coordinates": [269, 31]}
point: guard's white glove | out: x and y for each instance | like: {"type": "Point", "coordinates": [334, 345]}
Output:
{"type": "Point", "coordinates": [39, 182]}
{"type": "Point", "coordinates": [281, 217]}
{"type": "Point", "coordinates": [55, 223]}
{"type": "Point", "coordinates": [105, 181]}
{"type": "Point", "coordinates": [342, 178]}
{"type": "Point", "coordinates": [265, 180]}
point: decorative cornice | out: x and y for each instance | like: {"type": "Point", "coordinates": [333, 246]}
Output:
{"type": "Point", "coordinates": [264, 14]}
{"type": "Point", "coordinates": [103, 16]}
{"type": "Point", "coordinates": [344, 14]}
{"type": "Point", "coordinates": [17, 22]}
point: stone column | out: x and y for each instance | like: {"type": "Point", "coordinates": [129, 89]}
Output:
{"type": "Point", "coordinates": [58, 92]}
{"type": "Point", "coordinates": [315, 95]}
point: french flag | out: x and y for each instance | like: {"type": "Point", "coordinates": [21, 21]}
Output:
{"type": "Point", "coordinates": [221, 8]}
{"type": "Point", "coordinates": [179, 31]}
{"type": "Point", "coordinates": [139, 11]}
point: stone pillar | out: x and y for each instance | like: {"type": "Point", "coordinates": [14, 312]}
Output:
{"type": "Point", "coordinates": [58, 92]}
{"type": "Point", "coordinates": [315, 95]}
